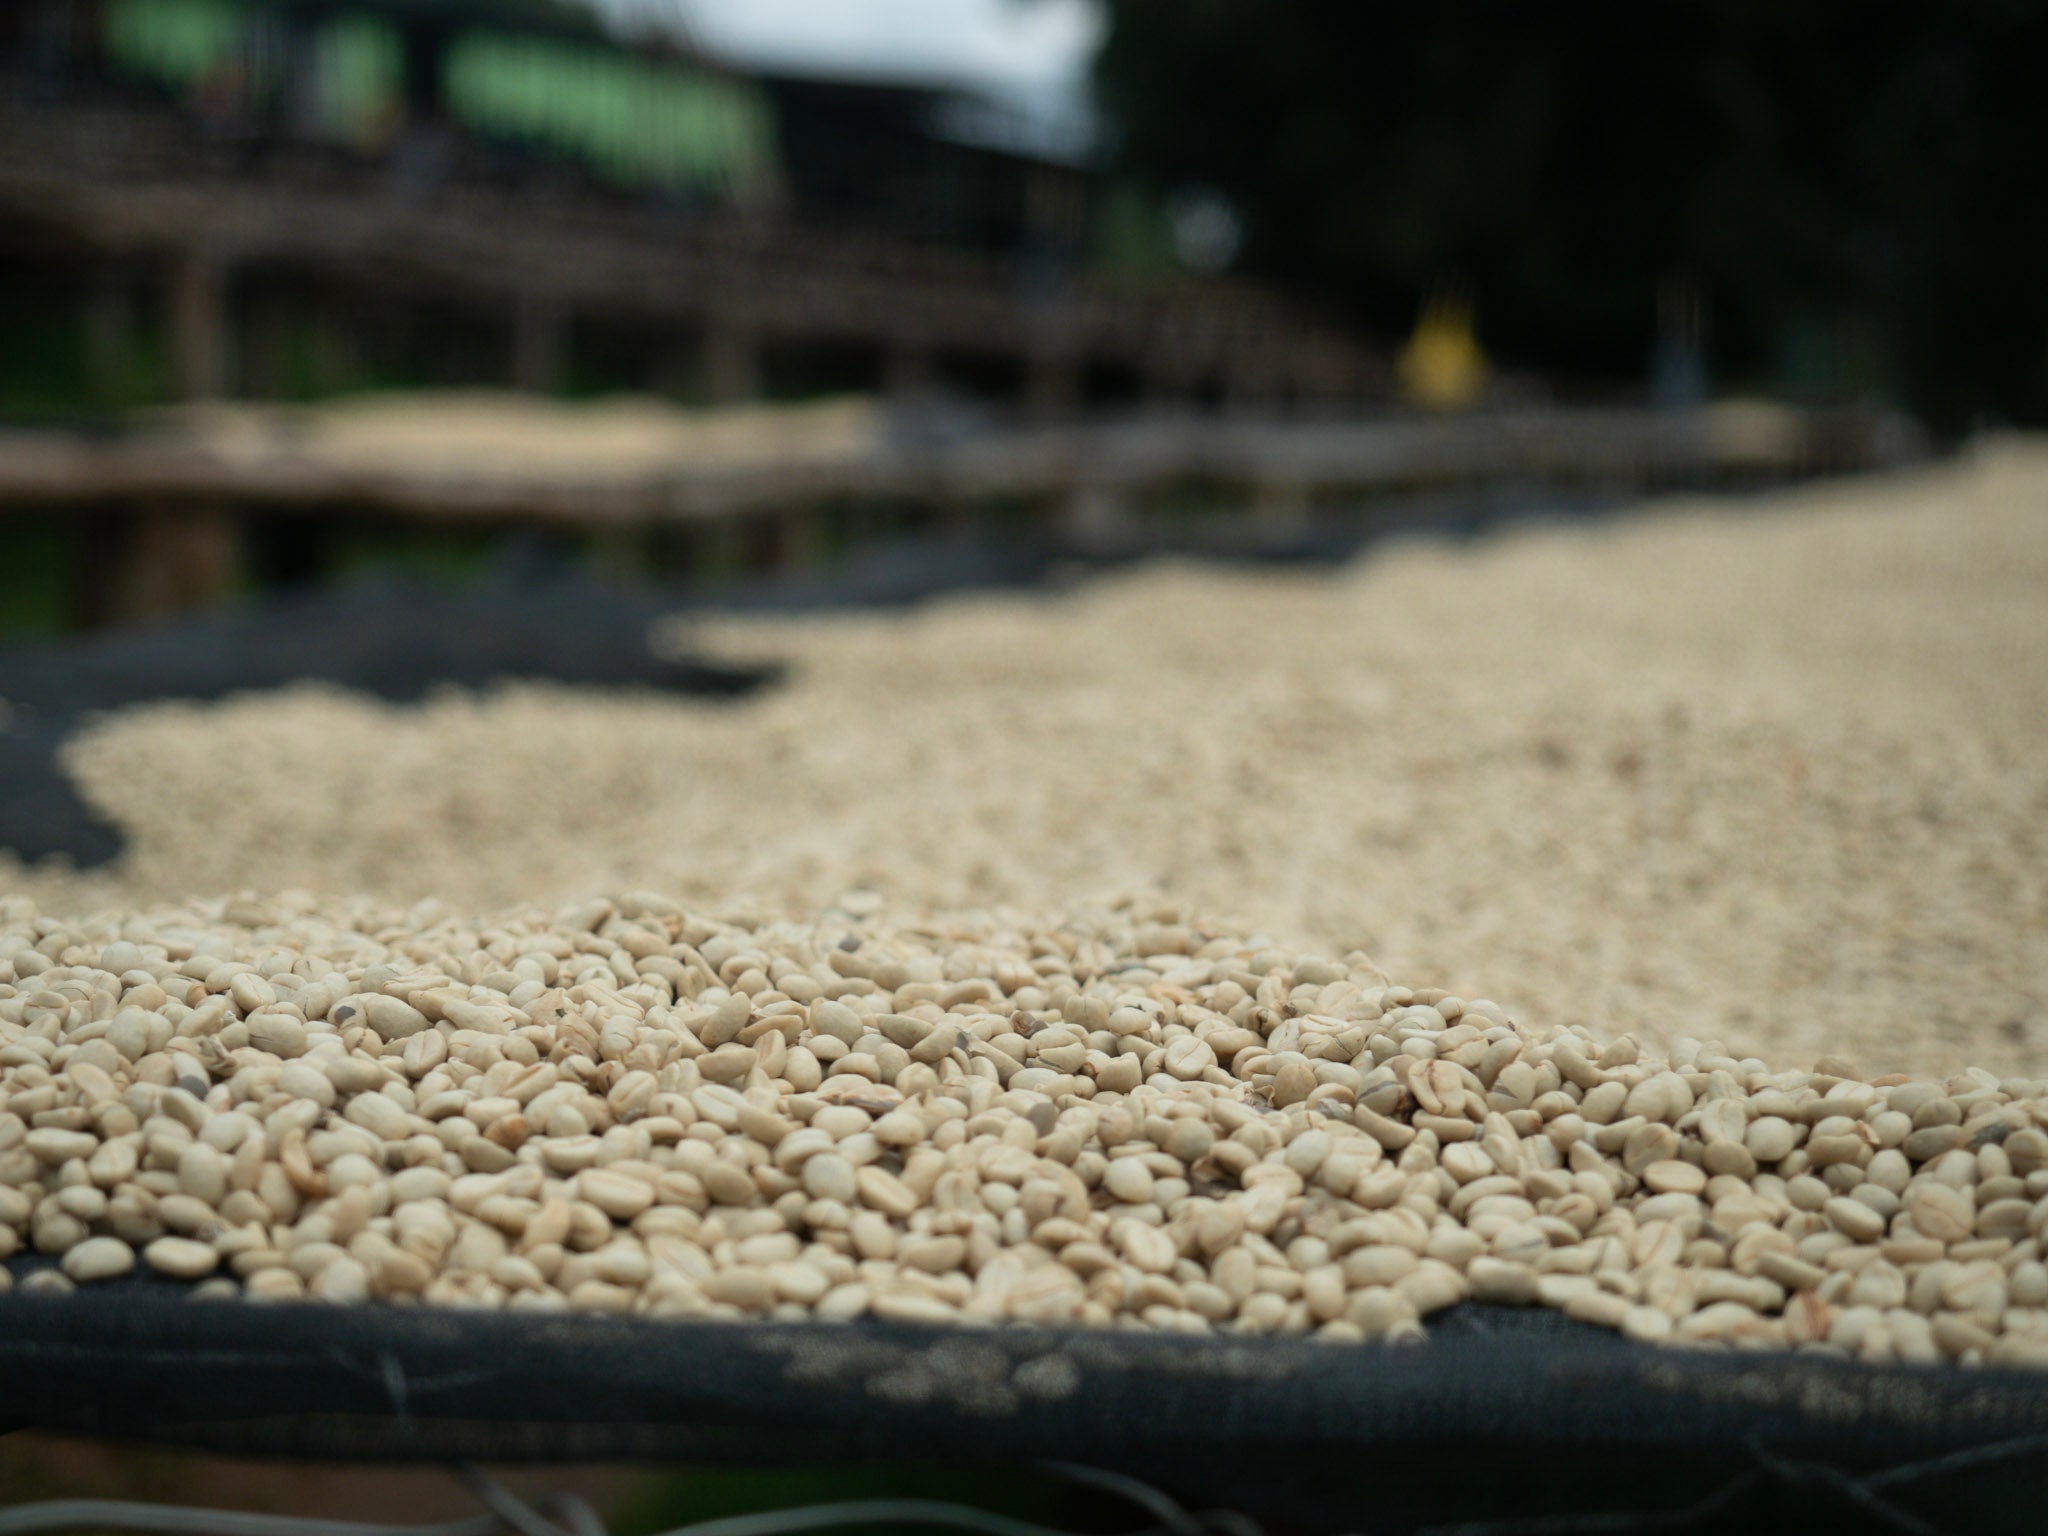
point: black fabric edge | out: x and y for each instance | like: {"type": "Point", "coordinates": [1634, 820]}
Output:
{"type": "Point", "coordinates": [418, 1384]}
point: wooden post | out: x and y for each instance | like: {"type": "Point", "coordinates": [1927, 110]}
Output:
{"type": "Point", "coordinates": [261, 356]}
{"type": "Point", "coordinates": [721, 549]}
{"type": "Point", "coordinates": [758, 536]}
{"type": "Point", "coordinates": [1094, 517]}
{"type": "Point", "coordinates": [1052, 382]}
{"type": "Point", "coordinates": [109, 333]}
{"type": "Point", "coordinates": [623, 550]}
{"type": "Point", "coordinates": [1282, 507]}
{"type": "Point", "coordinates": [540, 344]}
{"type": "Point", "coordinates": [797, 537]}
{"type": "Point", "coordinates": [909, 371]}
{"type": "Point", "coordinates": [199, 335]}
{"type": "Point", "coordinates": [1249, 385]}
{"type": "Point", "coordinates": [955, 517]}
{"type": "Point", "coordinates": [1166, 384]}
{"type": "Point", "coordinates": [159, 560]}
{"type": "Point", "coordinates": [732, 363]}
{"type": "Point", "coordinates": [674, 372]}
{"type": "Point", "coordinates": [338, 347]}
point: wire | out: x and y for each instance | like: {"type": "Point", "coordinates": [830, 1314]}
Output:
{"type": "Point", "coordinates": [572, 1517]}
{"type": "Point", "coordinates": [1854, 1489]}
{"type": "Point", "coordinates": [176, 1520]}
{"type": "Point", "coordinates": [1155, 1503]}
{"type": "Point", "coordinates": [580, 1518]}
{"type": "Point", "coordinates": [508, 1510]}
{"type": "Point", "coordinates": [502, 1502]}
{"type": "Point", "coordinates": [1620, 1521]}
{"type": "Point", "coordinates": [1976, 1455]}
{"type": "Point", "coordinates": [810, 1517]}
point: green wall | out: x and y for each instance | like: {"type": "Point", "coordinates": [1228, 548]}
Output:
{"type": "Point", "coordinates": [636, 120]}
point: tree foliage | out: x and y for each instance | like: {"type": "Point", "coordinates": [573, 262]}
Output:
{"type": "Point", "coordinates": [1864, 175]}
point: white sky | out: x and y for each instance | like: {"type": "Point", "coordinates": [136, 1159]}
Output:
{"type": "Point", "coordinates": [1036, 50]}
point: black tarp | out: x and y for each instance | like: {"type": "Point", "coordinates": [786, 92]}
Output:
{"type": "Point", "coordinates": [394, 639]}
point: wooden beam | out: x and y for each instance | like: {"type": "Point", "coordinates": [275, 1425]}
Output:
{"type": "Point", "coordinates": [279, 474]}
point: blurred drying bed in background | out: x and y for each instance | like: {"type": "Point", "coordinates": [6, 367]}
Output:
{"type": "Point", "coordinates": [1771, 771]}
{"type": "Point", "coordinates": [466, 435]}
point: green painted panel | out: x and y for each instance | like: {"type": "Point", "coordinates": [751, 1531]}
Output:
{"type": "Point", "coordinates": [637, 121]}
{"type": "Point", "coordinates": [361, 64]}
{"type": "Point", "coordinates": [174, 42]}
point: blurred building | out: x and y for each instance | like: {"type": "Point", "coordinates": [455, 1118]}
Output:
{"type": "Point", "coordinates": [289, 198]}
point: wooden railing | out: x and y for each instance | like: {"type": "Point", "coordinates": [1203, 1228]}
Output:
{"type": "Point", "coordinates": [118, 179]}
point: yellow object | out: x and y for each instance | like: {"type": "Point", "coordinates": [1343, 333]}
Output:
{"type": "Point", "coordinates": [1442, 367]}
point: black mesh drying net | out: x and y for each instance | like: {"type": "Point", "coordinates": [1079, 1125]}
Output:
{"type": "Point", "coordinates": [1503, 1421]}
